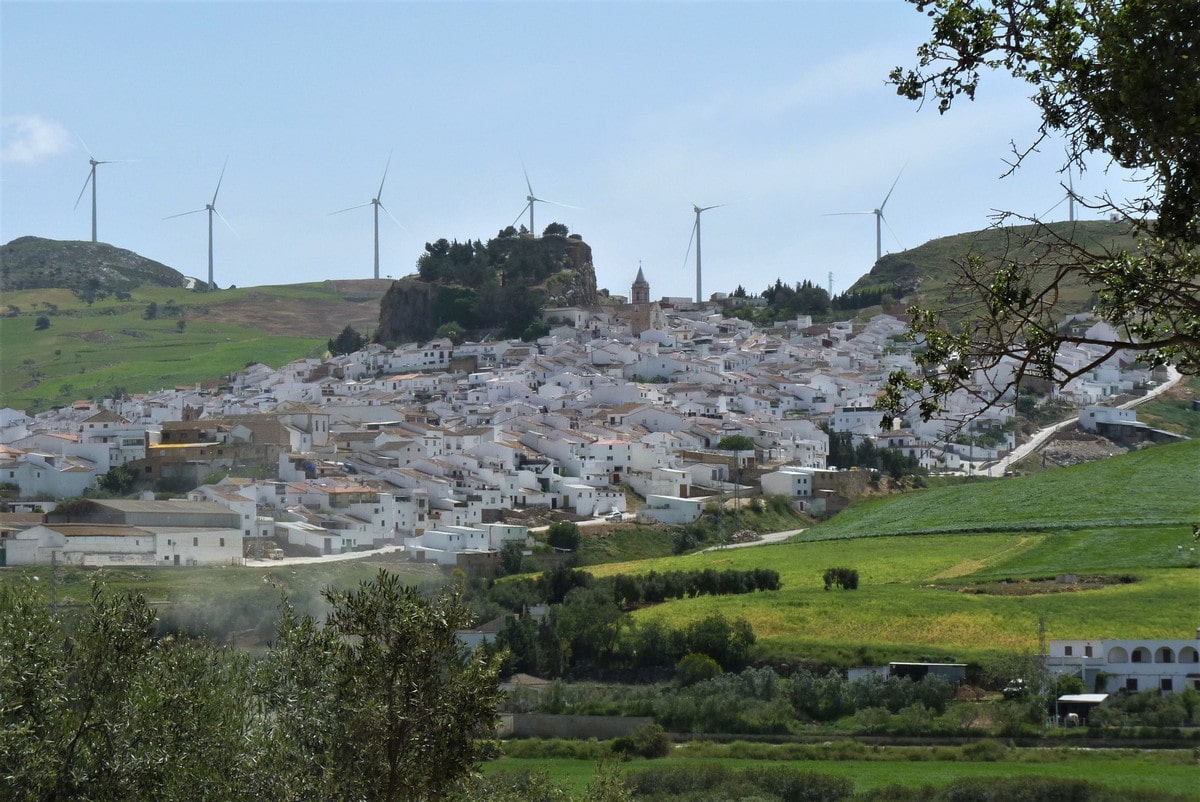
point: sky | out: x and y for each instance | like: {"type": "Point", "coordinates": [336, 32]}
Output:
{"type": "Point", "coordinates": [626, 113]}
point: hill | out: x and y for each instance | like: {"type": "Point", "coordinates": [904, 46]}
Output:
{"type": "Point", "coordinates": [155, 337]}
{"type": "Point", "coordinates": [926, 274]}
{"type": "Point", "coordinates": [86, 268]}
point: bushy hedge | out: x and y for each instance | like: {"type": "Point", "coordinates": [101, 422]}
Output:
{"type": "Point", "coordinates": [712, 781]}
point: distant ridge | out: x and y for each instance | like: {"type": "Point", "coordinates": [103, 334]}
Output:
{"type": "Point", "coordinates": [33, 263]}
{"type": "Point", "coordinates": [926, 273]}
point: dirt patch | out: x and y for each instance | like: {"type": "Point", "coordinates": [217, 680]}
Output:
{"type": "Point", "coordinates": [967, 567]}
{"type": "Point", "coordinates": [1076, 448]}
{"type": "Point", "coordinates": [1039, 587]}
{"type": "Point", "coordinates": [291, 317]}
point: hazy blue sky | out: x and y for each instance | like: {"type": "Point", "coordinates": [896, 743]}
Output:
{"type": "Point", "coordinates": [629, 111]}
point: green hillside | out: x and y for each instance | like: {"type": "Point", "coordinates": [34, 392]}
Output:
{"type": "Point", "coordinates": [1156, 486]}
{"type": "Point", "coordinates": [926, 273]}
{"type": "Point", "coordinates": [137, 344]}
{"type": "Point", "coordinates": [965, 572]}
{"type": "Point", "coordinates": [31, 263]}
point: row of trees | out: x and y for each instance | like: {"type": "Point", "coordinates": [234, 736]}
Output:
{"type": "Point", "coordinates": [866, 456]}
{"type": "Point", "coordinates": [380, 702]}
{"type": "Point", "coordinates": [786, 301]}
{"type": "Point", "coordinates": [586, 630]}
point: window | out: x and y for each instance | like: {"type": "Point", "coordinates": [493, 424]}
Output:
{"type": "Point", "coordinates": [1165, 684]}
{"type": "Point", "coordinates": [222, 543]}
{"type": "Point", "coordinates": [1087, 651]}
{"type": "Point", "coordinates": [195, 541]}
{"type": "Point", "coordinates": [247, 533]}
{"type": "Point", "coordinates": [1067, 651]}
{"type": "Point", "coordinates": [1131, 684]}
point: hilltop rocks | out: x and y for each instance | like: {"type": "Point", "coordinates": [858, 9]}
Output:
{"type": "Point", "coordinates": [33, 263]}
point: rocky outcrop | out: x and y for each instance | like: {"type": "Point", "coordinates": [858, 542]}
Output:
{"type": "Point", "coordinates": [498, 289]}
{"type": "Point", "coordinates": [406, 312]}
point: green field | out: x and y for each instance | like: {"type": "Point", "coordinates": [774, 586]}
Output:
{"type": "Point", "coordinates": [1174, 414]}
{"type": "Point", "coordinates": [89, 351]}
{"type": "Point", "coordinates": [1123, 770]}
{"type": "Point", "coordinates": [930, 565]}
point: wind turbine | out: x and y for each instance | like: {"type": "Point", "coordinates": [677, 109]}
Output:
{"type": "Point", "coordinates": [696, 236]}
{"type": "Point", "coordinates": [1069, 197]}
{"type": "Point", "coordinates": [211, 208]}
{"type": "Point", "coordinates": [378, 204]}
{"type": "Point", "coordinates": [879, 221]}
{"type": "Point", "coordinates": [91, 179]}
{"type": "Point", "coordinates": [531, 200]}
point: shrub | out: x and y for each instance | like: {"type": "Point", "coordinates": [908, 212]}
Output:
{"type": "Point", "coordinates": [694, 668]}
{"type": "Point", "coordinates": [844, 578]}
{"type": "Point", "coordinates": [563, 535]}
{"type": "Point", "coordinates": [873, 719]}
{"type": "Point", "coordinates": [651, 741]}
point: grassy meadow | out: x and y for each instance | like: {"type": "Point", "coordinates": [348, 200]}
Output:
{"type": "Point", "coordinates": [1122, 770]}
{"type": "Point", "coordinates": [933, 566]}
{"type": "Point", "coordinates": [89, 351]}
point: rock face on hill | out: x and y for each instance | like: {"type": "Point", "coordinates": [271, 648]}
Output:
{"type": "Point", "coordinates": [31, 263]}
{"type": "Point", "coordinates": [493, 289]}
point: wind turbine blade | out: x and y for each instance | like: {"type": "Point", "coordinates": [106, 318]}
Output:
{"type": "Point", "coordinates": [527, 184]}
{"type": "Point", "coordinates": [351, 208]}
{"type": "Point", "coordinates": [556, 203]}
{"type": "Point", "coordinates": [85, 147]}
{"type": "Point", "coordinates": [522, 214]}
{"type": "Point", "coordinates": [379, 194]}
{"type": "Point", "coordinates": [220, 178]}
{"type": "Point", "coordinates": [843, 214]}
{"type": "Point", "coordinates": [706, 208]}
{"type": "Point", "coordinates": [227, 223]}
{"type": "Point", "coordinates": [890, 231]}
{"type": "Point", "coordinates": [394, 220]}
{"type": "Point", "coordinates": [691, 239]}
{"type": "Point", "coordinates": [889, 194]}
{"type": "Point", "coordinates": [181, 214]}
{"type": "Point", "coordinates": [86, 181]}
{"type": "Point", "coordinates": [1061, 201]}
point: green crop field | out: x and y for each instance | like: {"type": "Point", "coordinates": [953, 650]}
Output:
{"type": "Point", "coordinates": [943, 594]}
{"type": "Point", "coordinates": [1122, 770]}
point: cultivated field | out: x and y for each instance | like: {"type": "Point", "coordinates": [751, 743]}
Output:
{"type": "Point", "coordinates": [88, 351]}
{"type": "Point", "coordinates": [933, 567]}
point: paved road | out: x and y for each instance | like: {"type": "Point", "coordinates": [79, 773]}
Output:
{"type": "Point", "coordinates": [327, 558]}
{"type": "Point", "coordinates": [769, 537]}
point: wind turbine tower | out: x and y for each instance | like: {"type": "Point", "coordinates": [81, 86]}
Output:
{"type": "Point", "coordinates": [878, 217]}
{"type": "Point", "coordinates": [91, 179]}
{"type": "Point", "coordinates": [532, 199]}
{"type": "Point", "coordinates": [696, 237]}
{"type": "Point", "coordinates": [211, 208]}
{"type": "Point", "coordinates": [377, 204]}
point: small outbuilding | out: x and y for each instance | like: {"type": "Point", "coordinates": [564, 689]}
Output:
{"type": "Point", "coordinates": [1075, 707]}
{"type": "Point", "coordinates": [955, 672]}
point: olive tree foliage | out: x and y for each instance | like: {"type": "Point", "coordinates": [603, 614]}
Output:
{"type": "Point", "coordinates": [104, 710]}
{"type": "Point", "coordinates": [381, 702]}
{"type": "Point", "coordinates": [1114, 78]}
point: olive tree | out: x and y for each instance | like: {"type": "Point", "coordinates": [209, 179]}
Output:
{"type": "Point", "coordinates": [382, 701]}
